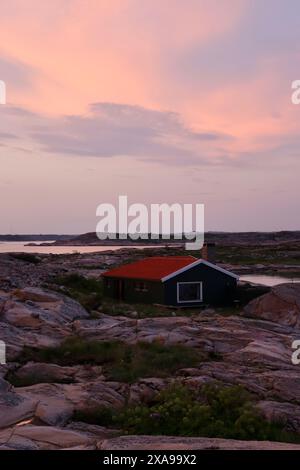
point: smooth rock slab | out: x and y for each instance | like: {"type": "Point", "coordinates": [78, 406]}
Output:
{"type": "Point", "coordinates": [189, 443]}
{"type": "Point", "coordinates": [48, 437]}
{"type": "Point", "coordinates": [15, 408]}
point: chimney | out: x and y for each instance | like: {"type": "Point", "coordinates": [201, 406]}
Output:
{"type": "Point", "coordinates": [208, 252]}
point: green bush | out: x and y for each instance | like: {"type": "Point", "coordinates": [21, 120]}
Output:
{"type": "Point", "coordinates": [122, 362]}
{"type": "Point", "coordinates": [213, 411]}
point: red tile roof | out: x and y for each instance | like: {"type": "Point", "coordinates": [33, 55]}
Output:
{"type": "Point", "coordinates": [152, 269]}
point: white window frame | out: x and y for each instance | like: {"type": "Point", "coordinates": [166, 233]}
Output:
{"type": "Point", "coordinates": [191, 301]}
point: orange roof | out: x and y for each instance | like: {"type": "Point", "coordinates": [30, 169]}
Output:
{"type": "Point", "coordinates": [152, 269]}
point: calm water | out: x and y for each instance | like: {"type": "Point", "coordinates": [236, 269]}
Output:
{"type": "Point", "coordinates": [268, 280]}
{"type": "Point", "coordinates": [18, 247]}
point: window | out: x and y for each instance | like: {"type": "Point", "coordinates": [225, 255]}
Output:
{"type": "Point", "coordinates": [189, 292]}
{"type": "Point", "coordinates": [141, 286]}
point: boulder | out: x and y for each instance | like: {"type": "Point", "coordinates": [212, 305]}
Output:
{"type": "Point", "coordinates": [14, 408]}
{"type": "Point", "coordinates": [51, 437]}
{"type": "Point", "coordinates": [54, 412]}
{"type": "Point", "coordinates": [36, 294]}
{"type": "Point", "coordinates": [280, 305]}
{"type": "Point", "coordinates": [288, 414]}
{"type": "Point", "coordinates": [78, 395]}
{"type": "Point", "coordinates": [36, 323]}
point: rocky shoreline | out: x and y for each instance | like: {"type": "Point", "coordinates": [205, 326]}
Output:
{"type": "Point", "coordinates": [249, 346]}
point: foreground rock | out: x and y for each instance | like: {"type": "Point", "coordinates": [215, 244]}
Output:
{"type": "Point", "coordinates": [37, 318]}
{"type": "Point", "coordinates": [54, 404]}
{"type": "Point", "coordinates": [79, 436]}
{"type": "Point", "coordinates": [189, 443]}
{"type": "Point", "coordinates": [253, 350]}
{"type": "Point", "coordinates": [30, 437]}
{"type": "Point", "coordinates": [285, 413]}
{"type": "Point", "coordinates": [253, 353]}
{"type": "Point", "coordinates": [14, 408]}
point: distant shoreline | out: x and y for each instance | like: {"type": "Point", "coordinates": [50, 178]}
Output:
{"type": "Point", "coordinates": [91, 239]}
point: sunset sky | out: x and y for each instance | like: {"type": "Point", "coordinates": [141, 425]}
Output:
{"type": "Point", "coordinates": [183, 101]}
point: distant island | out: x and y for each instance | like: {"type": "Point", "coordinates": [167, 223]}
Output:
{"type": "Point", "coordinates": [224, 238]}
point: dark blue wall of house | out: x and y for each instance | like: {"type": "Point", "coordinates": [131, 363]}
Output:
{"type": "Point", "coordinates": [217, 287]}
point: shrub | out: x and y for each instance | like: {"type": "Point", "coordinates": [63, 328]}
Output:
{"type": "Point", "coordinates": [214, 411]}
{"type": "Point", "coordinates": [88, 292]}
{"type": "Point", "coordinates": [26, 257]}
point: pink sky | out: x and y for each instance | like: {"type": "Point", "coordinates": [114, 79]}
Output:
{"type": "Point", "coordinates": [182, 101]}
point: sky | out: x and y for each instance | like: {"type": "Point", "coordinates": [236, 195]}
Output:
{"type": "Point", "coordinates": [165, 101]}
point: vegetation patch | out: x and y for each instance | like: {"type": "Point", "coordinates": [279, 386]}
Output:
{"type": "Point", "coordinates": [26, 257]}
{"type": "Point", "coordinates": [122, 362]}
{"type": "Point", "coordinates": [88, 292]}
{"type": "Point", "coordinates": [211, 411]}
{"type": "Point", "coordinates": [109, 307]}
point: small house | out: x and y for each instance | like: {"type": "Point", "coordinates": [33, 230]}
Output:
{"type": "Point", "coordinates": [181, 281]}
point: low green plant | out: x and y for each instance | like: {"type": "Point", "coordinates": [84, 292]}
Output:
{"type": "Point", "coordinates": [211, 411]}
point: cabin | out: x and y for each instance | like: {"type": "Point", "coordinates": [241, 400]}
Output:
{"type": "Point", "coordinates": [179, 281]}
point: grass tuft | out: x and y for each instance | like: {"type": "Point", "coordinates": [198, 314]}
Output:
{"type": "Point", "coordinates": [122, 362]}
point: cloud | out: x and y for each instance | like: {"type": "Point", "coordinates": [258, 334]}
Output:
{"type": "Point", "coordinates": [226, 71]}
{"type": "Point", "coordinates": [7, 135]}
{"type": "Point", "coordinates": [110, 130]}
